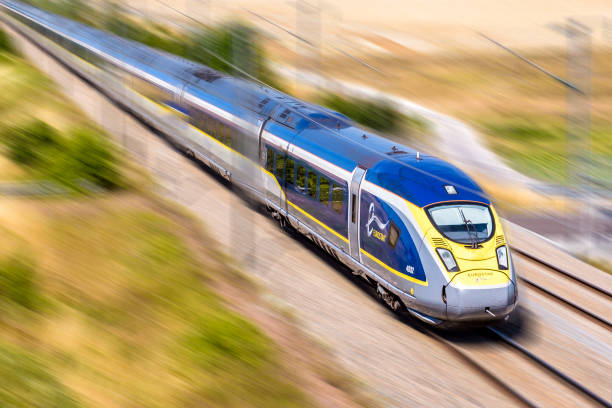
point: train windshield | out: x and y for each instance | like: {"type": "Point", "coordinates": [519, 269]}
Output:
{"type": "Point", "coordinates": [463, 223]}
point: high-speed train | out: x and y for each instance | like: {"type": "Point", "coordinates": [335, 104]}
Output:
{"type": "Point", "coordinates": [413, 225]}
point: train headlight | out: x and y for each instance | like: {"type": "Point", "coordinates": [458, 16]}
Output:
{"type": "Point", "coordinates": [502, 257]}
{"type": "Point", "coordinates": [448, 259]}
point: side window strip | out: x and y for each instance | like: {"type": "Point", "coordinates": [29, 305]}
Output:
{"type": "Point", "coordinates": [280, 166]}
{"type": "Point", "coordinates": [324, 190]}
{"type": "Point", "coordinates": [337, 198]}
{"type": "Point", "coordinates": [301, 178]}
{"type": "Point", "coordinates": [270, 160]}
{"type": "Point", "coordinates": [312, 184]}
{"type": "Point", "coordinates": [290, 171]}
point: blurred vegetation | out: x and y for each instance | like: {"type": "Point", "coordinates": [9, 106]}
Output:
{"type": "Point", "coordinates": [538, 146]}
{"type": "Point", "coordinates": [75, 154]}
{"type": "Point", "coordinates": [105, 293]}
{"type": "Point", "coordinates": [131, 317]}
{"type": "Point", "coordinates": [6, 46]}
{"type": "Point", "coordinates": [84, 155]}
{"type": "Point", "coordinates": [17, 282]}
{"type": "Point", "coordinates": [237, 44]}
{"type": "Point", "coordinates": [375, 114]}
{"type": "Point", "coordinates": [28, 383]}
{"type": "Point", "coordinates": [221, 48]}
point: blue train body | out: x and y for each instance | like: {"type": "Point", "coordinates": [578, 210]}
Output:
{"type": "Point", "coordinates": [394, 216]}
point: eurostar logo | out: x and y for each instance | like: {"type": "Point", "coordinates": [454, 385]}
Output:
{"type": "Point", "coordinates": [379, 233]}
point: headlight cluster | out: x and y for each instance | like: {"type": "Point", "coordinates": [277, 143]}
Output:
{"type": "Point", "coordinates": [448, 259]}
{"type": "Point", "coordinates": [502, 257]}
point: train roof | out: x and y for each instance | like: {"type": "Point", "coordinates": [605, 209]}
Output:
{"type": "Point", "coordinates": [323, 132]}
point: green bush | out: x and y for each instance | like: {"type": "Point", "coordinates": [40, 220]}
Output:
{"type": "Point", "coordinates": [378, 115]}
{"type": "Point", "coordinates": [222, 340]}
{"type": "Point", "coordinates": [83, 156]}
{"type": "Point", "coordinates": [235, 365]}
{"type": "Point", "coordinates": [27, 383]}
{"type": "Point", "coordinates": [30, 144]}
{"type": "Point", "coordinates": [93, 158]}
{"type": "Point", "coordinates": [5, 43]}
{"type": "Point", "coordinates": [232, 44]}
{"type": "Point", "coordinates": [17, 282]}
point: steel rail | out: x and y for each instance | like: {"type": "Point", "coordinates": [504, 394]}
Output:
{"type": "Point", "coordinates": [591, 394]}
{"type": "Point", "coordinates": [561, 299]}
{"type": "Point", "coordinates": [570, 275]}
{"type": "Point", "coordinates": [478, 366]}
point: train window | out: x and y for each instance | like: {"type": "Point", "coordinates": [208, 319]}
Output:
{"type": "Point", "coordinates": [228, 135]}
{"type": "Point", "coordinates": [337, 197]}
{"type": "Point", "coordinates": [353, 207]}
{"type": "Point", "coordinates": [219, 131]}
{"type": "Point", "coordinates": [280, 166]}
{"type": "Point", "coordinates": [270, 160]}
{"type": "Point", "coordinates": [212, 124]}
{"type": "Point", "coordinates": [290, 171]}
{"type": "Point", "coordinates": [323, 190]}
{"type": "Point", "coordinates": [301, 178]}
{"type": "Point", "coordinates": [312, 184]}
{"type": "Point", "coordinates": [209, 125]}
{"type": "Point", "coordinates": [393, 235]}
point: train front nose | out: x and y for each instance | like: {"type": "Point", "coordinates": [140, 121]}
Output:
{"type": "Point", "coordinates": [479, 303]}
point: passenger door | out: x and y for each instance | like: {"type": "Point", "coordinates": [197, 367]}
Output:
{"type": "Point", "coordinates": [353, 211]}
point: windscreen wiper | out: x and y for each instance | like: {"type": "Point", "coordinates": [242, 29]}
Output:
{"type": "Point", "coordinates": [474, 236]}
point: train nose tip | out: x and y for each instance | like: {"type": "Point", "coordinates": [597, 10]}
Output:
{"type": "Point", "coordinates": [479, 303]}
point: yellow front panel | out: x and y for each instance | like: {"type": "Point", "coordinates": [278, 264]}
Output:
{"type": "Point", "coordinates": [480, 265]}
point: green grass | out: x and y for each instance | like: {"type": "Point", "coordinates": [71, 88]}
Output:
{"type": "Point", "coordinates": [17, 282]}
{"type": "Point", "coordinates": [601, 264]}
{"type": "Point", "coordinates": [539, 147]}
{"type": "Point", "coordinates": [130, 318]}
{"type": "Point", "coordinates": [28, 383]}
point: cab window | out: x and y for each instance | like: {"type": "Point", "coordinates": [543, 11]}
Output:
{"type": "Point", "coordinates": [393, 235]}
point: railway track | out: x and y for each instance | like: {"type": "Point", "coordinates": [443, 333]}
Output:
{"type": "Point", "coordinates": [509, 352]}
{"type": "Point", "coordinates": [568, 289]}
{"type": "Point", "coordinates": [584, 293]}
